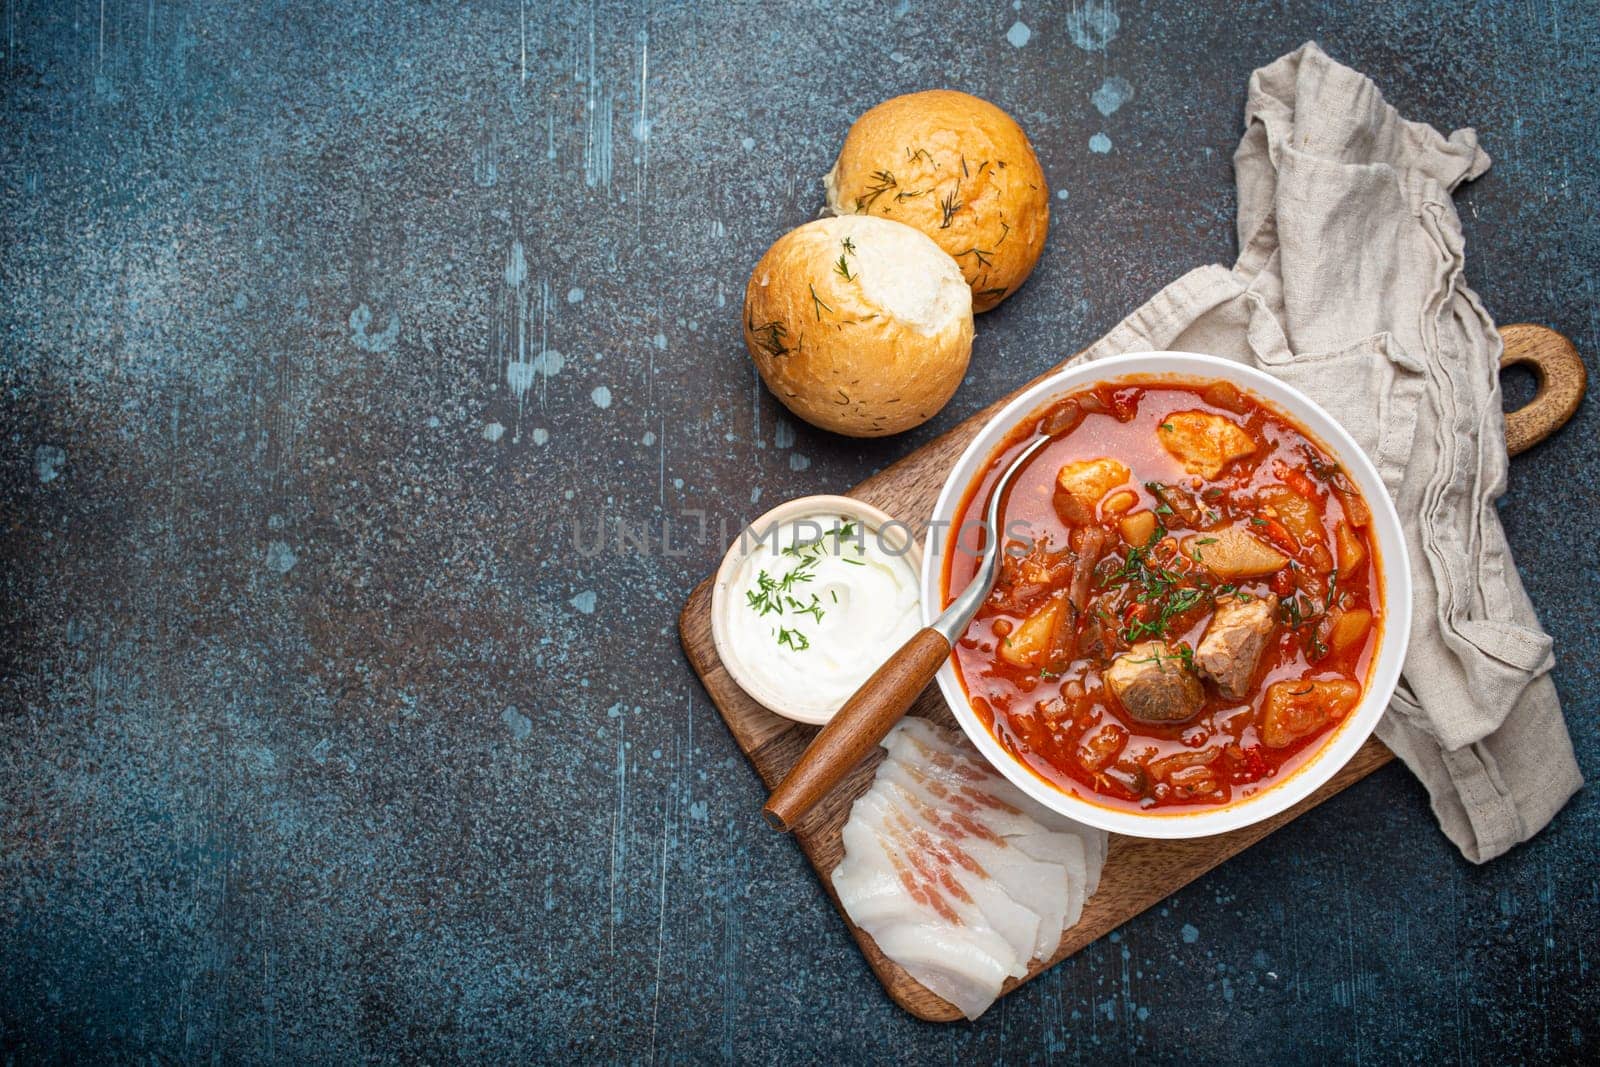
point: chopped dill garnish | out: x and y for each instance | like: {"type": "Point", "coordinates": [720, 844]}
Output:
{"type": "Point", "coordinates": [814, 609]}
{"type": "Point", "coordinates": [949, 205]}
{"type": "Point", "coordinates": [770, 337]}
{"type": "Point", "coordinates": [842, 269]}
{"type": "Point", "coordinates": [818, 305]}
{"type": "Point", "coordinates": [883, 181]}
{"type": "Point", "coordinates": [794, 639]}
{"type": "Point", "coordinates": [985, 257]}
{"type": "Point", "coordinates": [777, 596]}
{"type": "Point", "coordinates": [1159, 587]}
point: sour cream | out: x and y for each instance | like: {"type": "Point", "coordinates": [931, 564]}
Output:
{"type": "Point", "coordinates": [816, 605]}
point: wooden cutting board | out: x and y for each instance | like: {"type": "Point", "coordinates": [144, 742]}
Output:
{"type": "Point", "coordinates": [1138, 872]}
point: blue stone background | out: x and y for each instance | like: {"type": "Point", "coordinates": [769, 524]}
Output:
{"type": "Point", "coordinates": [320, 738]}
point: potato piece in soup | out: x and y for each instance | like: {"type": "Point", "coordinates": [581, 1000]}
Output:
{"type": "Point", "coordinates": [1298, 515]}
{"type": "Point", "coordinates": [1231, 553]}
{"type": "Point", "coordinates": [1138, 528]}
{"type": "Point", "coordinates": [1027, 645]}
{"type": "Point", "coordinates": [1293, 710]}
{"type": "Point", "coordinates": [1352, 553]}
{"type": "Point", "coordinates": [1349, 627]}
{"type": "Point", "coordinates": [1204, 443]}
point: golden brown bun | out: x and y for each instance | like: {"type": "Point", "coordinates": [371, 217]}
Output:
{"type": "Point", "coordinates": [859, 325]}
{"type": "Point", "coordinates": [960, 170]}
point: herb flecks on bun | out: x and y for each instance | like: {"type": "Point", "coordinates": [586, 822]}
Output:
{"type": "Point", "coordinates": [960, 170]}
{"type": "Point", "coordinates": [860, 325]}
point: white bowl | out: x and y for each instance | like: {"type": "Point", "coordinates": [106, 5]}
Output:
{"type": "Point", "coordinates": [1394, 579]}
{"type": "Point", "coordinates": [872, 519]}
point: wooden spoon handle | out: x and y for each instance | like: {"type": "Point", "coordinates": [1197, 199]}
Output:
{"type": "Point", "coordinates": [1562, 378]}
{"type": "Point", "coordinates": [863, 721]}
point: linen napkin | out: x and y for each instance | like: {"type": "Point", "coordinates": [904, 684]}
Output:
{"type": "Point", "coordinates": [1349, 285]}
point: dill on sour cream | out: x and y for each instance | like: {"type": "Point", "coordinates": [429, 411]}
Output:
{"type": "Point", "coordinates": [817, 605]}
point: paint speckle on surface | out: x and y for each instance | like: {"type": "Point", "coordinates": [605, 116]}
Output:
{"type": "Point", "coordinates": [1061, 194]}
{"type": "Point", "coordinates": [1100, 144]}
{"type": "Point", "coordinates": [748, 144]}
{"type": "Point", "coordinates": [519, 724]}
{"type": "Point", "coordinates": [601, 397]}
{"type": "Point", "coordinates": [797, 462]}
{"type": "Point", "coordinates": [48, 462]}
{"type": "Point", "coordinates": [383, 340]}
{"type": "Point", "coordinates": [1189, 934]}
{"type": "Point", "coordinates": [1112, 94]}
{"type": "Point", "coordinates": [575, 295]}
{"type": "Point", "coordinates": [549, 363]}
{"type": "Point", "coordinates": [280, 557]}
{"type": "Point", "coordinates": [516, 265]}
{"type": "Point", "coordinates": [493, 431]}
{"type": "Point", "coordinates": [1019, 34]}
{"type": "Point", "coordinates": [541, 435]}
{"type": "Point", "coordinates": [584, 602]}
{"type": "Point", "coordinates": [519, 377]}
{"type": "Point", "coordinates": [1093, 25]}
{"type": "Point", "coordinates": [648, 439]}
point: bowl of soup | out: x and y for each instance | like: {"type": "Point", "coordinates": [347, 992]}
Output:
{"type": "Point", "coordinates": [1203, 601]}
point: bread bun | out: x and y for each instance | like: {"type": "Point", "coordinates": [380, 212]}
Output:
{"type": "Point", "coordinates": [960, 170]}
{"type": "Point", "coordinates": [859, 325]}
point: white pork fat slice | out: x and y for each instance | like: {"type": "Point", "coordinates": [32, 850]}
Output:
{"type": "Point", "coordinates": [958, 876]}
{"type": "Point", "coordinates": [983, 853]}
{"type": "Point", "coordinates": [976, 898]}
{"type": "Point", "coordinates": [950, 758]}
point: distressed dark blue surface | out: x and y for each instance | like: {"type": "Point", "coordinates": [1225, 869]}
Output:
{"type": "Point", "coordinates": [319, 738]}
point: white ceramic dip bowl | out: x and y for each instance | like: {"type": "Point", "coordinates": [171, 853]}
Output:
{"type": "Point", "coordinates": [801, 647]}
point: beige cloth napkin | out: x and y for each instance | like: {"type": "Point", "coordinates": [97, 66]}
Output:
{"type": "Point", "coordinates": [1349, 286]}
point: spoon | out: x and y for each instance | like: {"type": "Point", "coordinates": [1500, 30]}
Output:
{"type": "Point", "coordinates": [884, 698]}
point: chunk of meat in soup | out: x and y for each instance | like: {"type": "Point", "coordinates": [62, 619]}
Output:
{"type": "Point", "coordinates": [1233, 642]}
{"type": "Point", "coordinates": [1082, 485]}
{"type": "Point", "coordinates": [1204, 443]}
{"type": "Point", "coordinates": [1152, 684]}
